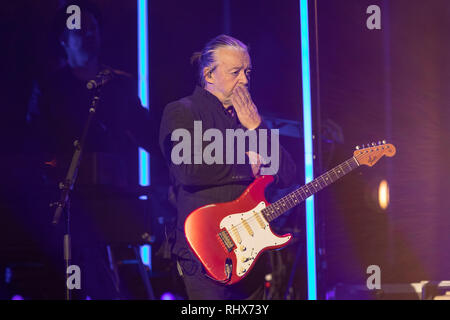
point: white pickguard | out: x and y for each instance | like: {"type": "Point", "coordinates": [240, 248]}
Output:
{"type": "Point", "coordinates": [249, 246]}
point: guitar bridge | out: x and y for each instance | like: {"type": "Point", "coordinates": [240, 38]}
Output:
{"type": "Point", "coordinates": [226, 240]}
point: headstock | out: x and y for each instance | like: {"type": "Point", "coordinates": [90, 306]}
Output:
{"type": "Point", "coordinates": [370, 154]}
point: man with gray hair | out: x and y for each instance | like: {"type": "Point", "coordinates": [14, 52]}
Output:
{"type": "Point", "coordinates": [222, 102]}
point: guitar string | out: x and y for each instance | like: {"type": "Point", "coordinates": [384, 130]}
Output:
{"type": "Point", "coordinates": [282, 201]}
{"type": "Point", "coordinates": [241, 227]}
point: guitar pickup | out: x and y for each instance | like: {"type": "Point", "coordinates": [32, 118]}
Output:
{"type": "Point", "coordinates": [226, 240]}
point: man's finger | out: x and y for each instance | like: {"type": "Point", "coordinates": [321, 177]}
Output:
{"type": "Point", "coordinates": [246, 93]}
{"type": "Point", "coordinates": [242, 94]}
{"type": "Point", "coordinates": [238, 103]}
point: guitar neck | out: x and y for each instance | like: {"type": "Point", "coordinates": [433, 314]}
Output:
{"type": "Point", "coordinates": [297, 196]}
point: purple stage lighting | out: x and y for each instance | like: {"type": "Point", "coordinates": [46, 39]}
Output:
{"type": "Point", "coordinates": [167, 296]}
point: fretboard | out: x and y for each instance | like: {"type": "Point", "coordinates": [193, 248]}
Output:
{"type": "Point", "coordinates": [297, 196]}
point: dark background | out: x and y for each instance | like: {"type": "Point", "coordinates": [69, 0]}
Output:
{"type": "Point", "coordinates": [368, 85]}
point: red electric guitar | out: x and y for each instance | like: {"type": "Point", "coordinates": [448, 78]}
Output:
{"type": "Point", "coordinates": [229, 237]}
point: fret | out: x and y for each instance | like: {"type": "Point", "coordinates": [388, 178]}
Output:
{"type": "Point", "coordinates": [287, 204]}
{"type": "Point", "coordinates": [322, 178]}
{"type": "Point", "coordinates": [339, 172]}
{"type": "Point", "coordinates": [292, 197]}
{"type": "Point", "coordinates": [283, 203]}
{"type": "Point", "coordinates": [290, 200]}
{"type": "Point", "coordinates": [335, 173]}
{"type": "Point", "coordinates": [348, 165]}
{"type": "Point", "coordinates": [275, 210]}
{"type": "Point", "coordinates": [307, 191]}
{"type": "Point", "coordinates": [310, 186]}
{"type": "Point", "coordinates": [316, 185]}
{"type": "Point", "coordinates": [279, 205]}
{"type": "Point", "coordinates": [330, 179]}
{"type": "Point", "coordinates": [321, 184]}
{"type": "Point", "coordinates": [267, 214]}
{"type": "Point", "coordinates": [354, 162]}
{"type": "Point", "coordinates": [278, 212]}
{"type": "Point", "coordinates": [272, 213]}
{"type": "Point", "coordinates": [303, 194]}
{"type": "Point", "coordinates": [294, 200]}
{"type": "Point", "coordinates": [326, 179]}
{"type": "Point", "coordinates": [299, 194]}
{"type": "Point", "coordinates": [351, 164]}
{"type": "Point", "coordinates": [297, 198]}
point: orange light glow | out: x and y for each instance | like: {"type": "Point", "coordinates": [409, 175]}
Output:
{"type": "Point", "coordinates": [383, 195]}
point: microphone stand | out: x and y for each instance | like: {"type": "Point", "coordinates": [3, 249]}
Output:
{"type": "Point", "coordinates": [63, 205]}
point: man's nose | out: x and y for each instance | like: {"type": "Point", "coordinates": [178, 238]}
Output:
{"type": "Point", "coordinates": [243, 78]}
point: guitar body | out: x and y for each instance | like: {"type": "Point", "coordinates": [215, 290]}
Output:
{"type": "Point", "coordinates": [229, 237]}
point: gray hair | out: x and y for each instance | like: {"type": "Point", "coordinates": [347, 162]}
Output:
{"type": "Point", "coordinates": [206, 57]}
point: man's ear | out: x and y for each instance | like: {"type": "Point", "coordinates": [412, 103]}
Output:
{"type": "Point", "coordinates": [208, 74]}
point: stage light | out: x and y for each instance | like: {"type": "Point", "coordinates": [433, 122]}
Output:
{"type": "Point", "coordinates": [308, 142]}
{"type": "Point", "coordinates": [144, 168]}
{"type": "Point", "coordinates": [146, 255]}
{"type": "Point", "coordinates": [143, 86]}
{"type": "Point", "coordinates": [167, 296]}
{"type": "Point", "coordinates": [383, 194]}
{"type": "Point", "coordinates": [17, 297]}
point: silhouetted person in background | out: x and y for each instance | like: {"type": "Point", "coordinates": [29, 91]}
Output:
{"type": "Point", "coordinates": [57, 113]}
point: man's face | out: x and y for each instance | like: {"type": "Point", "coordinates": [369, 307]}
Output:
{"type": "Point", "coordinates": [84, 44]}
{"type": "Point", "coordinates": [232, 68]}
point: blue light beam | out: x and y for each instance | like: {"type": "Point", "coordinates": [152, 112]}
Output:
{"type": "Point", "coordinates": [308, 141]}
{"type": "Point", "coordinates": [143, 86]}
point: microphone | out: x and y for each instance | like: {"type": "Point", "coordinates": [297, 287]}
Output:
{"type": "Point", "coordinates": [101, 79]}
